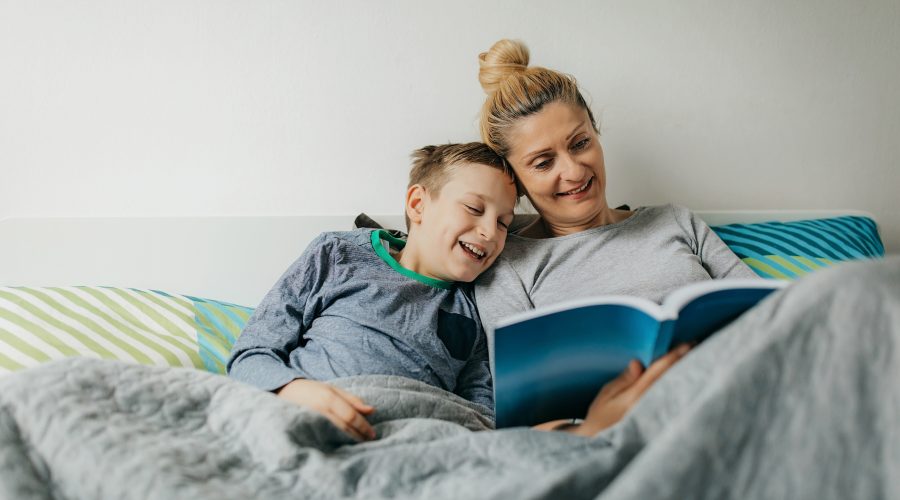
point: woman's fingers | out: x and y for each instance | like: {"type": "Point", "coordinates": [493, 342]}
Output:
{"type": "Point", "coordinates": [658, 368]}
{"type": "Point", "coordinates": [623, 381]}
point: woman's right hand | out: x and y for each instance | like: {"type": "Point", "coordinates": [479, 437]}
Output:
{"type": "Point", "coordinates": [345, 410]}
{"type": "Point", "coordinates": [619, 395]}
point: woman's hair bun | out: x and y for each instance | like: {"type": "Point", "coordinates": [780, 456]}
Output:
{"type": "Point", "coordinates": [504, 58]}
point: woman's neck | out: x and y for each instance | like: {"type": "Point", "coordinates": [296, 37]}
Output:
{"type": "Point", "coordinates": [543, 228]}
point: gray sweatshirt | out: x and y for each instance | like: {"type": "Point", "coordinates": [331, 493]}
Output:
{"type": "Point", "coordinates": [346, 307]}
{"type": "Point", "coordinates": [650, 254]}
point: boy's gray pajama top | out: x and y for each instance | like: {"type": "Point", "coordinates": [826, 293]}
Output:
{"type": "Point", "coordinates": [346, 307]}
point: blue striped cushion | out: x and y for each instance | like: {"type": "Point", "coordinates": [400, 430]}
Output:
{"type": "Point", "coordinates": [787, 250]}
{"type": "Point", "coordinates": [218, 326]}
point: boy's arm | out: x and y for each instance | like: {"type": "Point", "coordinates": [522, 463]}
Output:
{"type": "Point", "coordinates": [261, 354]}
{"type": "Point", "coordinates": [474, 381]}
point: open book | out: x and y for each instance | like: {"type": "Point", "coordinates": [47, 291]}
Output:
{"type": "Point", "coordinates": [549, 363]}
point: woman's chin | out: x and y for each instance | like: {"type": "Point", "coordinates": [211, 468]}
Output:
{"type": "Point", "coordinates": [568, 206]}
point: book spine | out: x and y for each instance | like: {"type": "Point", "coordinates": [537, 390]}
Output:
{"type": "Point", "coordinates": [663, 338]}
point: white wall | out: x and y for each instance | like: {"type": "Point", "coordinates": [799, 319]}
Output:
{"type": "Point", "coordinates": [126, 107]}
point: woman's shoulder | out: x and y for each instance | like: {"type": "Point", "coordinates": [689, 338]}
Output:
{"type": "Point", "coordinates": [669, 213]}
{"type": "Point", "coordinates": [668, 209]}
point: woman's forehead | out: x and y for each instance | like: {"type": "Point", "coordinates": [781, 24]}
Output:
{"type": "Point", "coordinates": [555, 122]}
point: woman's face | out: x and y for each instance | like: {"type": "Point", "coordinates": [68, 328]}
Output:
{"type": "Point", "coordinates": [558, 159]}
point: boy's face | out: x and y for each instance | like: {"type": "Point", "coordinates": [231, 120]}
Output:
{"type": "Point", "coordinates": [461, 232]}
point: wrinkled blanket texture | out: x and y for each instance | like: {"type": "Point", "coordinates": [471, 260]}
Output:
{"type": "Point", "coordinates": [799, 398]}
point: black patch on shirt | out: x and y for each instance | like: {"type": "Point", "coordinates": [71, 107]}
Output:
{"type": "Point", "coordinates": [458, 334]}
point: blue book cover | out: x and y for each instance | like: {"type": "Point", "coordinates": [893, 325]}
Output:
{"type": "Point", "coordinates": [549, 363]}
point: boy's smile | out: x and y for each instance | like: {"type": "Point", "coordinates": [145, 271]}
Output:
{"type": "Point", "coordinates": [457, 233]}
{"type": "Point", "coordinates": [477, 252]}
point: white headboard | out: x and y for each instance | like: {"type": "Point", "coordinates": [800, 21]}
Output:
{"type": "Point", "coordinates": [235, 259]}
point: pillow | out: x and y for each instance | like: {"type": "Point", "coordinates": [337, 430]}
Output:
{"type": "Point", "coordinates": [40, 324]}
{"type": "Point", "coordinates": [788, 250]}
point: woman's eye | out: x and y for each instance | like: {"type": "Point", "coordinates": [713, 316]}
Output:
{"type": "Point", "coordinates": [578, 146]}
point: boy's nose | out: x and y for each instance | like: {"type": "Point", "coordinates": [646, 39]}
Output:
{"type": "Point", "coordinates": [487, 231]}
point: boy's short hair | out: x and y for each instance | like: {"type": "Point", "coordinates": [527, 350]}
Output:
{"type": "Point", "coordinates": [432, 165]}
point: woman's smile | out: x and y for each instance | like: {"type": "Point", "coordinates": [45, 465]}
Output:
{"type": "Point", "coordinates": [579, 192]}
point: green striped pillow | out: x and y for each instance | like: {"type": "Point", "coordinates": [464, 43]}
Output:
{"type": "Point", "coordinates": [140, 326]}
{"type": "Point", "coordinates": [788, 250]}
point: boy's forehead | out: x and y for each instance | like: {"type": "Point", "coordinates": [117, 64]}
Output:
{"type": "Point", "coordinates": [483, 181]}
{"type": "Point", "coordinates": [467, 171]}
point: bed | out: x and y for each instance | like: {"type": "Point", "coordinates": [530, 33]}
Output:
{"type": "Point", "coordinates": [160, 300]}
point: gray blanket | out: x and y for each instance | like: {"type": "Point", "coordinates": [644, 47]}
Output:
{"type": "Point", "coordinates": [799, 398]}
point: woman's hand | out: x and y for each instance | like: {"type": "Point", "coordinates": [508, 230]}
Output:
{"type": "Point", "coordinates": [345, 410]}
{"type": "Point", "coordinates": [618, 396]}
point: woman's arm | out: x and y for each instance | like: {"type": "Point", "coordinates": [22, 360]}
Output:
{"type": "Point", "coordinates": [718, 260]}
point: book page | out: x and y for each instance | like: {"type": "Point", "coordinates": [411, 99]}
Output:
{"type": "Point", "coordinates": [648, 307]}
{"type": "Point", "coordinates": [711, 311]}
{"type": "Point", "coordinates": [676, 300]}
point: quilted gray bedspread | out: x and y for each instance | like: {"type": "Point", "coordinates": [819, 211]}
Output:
{"type": "Point", "coordinates": [800, 398]}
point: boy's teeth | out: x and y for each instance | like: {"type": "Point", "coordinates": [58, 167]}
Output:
{"type": "Point", "coordinates": [473, 249]}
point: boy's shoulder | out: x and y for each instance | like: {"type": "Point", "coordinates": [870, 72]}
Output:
{"type": "Point", "coordinates": [344, 247]}
{"type": "Point", "coordinates": [355, 237]}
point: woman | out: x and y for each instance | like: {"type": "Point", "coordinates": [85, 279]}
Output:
{"type": "Point", "coordinates": [775, 359]}
{"type": "Point", "coordinates": [537, 119]}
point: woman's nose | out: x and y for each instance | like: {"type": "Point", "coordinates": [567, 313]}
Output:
{"type": "Point", "coordinates": [570, 170]}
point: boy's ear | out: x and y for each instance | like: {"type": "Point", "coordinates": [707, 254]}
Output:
{"type": "Point", "coordinates": [415, 203]}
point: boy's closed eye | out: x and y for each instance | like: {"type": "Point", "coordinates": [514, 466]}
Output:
{"type": "Point", "coordinates": [473, 210]}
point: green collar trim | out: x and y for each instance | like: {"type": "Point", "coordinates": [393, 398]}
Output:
{"type": "Point", "coordinates": [385, 255]}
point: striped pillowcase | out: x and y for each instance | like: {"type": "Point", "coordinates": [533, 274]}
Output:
{"type": "Point", "coordinates": [788, 250]}
{"type": "Point", "coordinates": [139, 326]}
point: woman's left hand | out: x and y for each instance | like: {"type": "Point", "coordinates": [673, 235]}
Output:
{"type": "Point", "coordinates": [618, 396]}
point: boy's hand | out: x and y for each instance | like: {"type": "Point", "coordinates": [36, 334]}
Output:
{"type": "Point", "coordinates": [619, 395]}
{"type": "Point", "coordinates": [343, 409]}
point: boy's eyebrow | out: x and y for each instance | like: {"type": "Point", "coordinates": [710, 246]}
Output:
{"type": "Point", "coordinates": [482, 198]}
{"type": "Point", "coordinates": [532, 156]}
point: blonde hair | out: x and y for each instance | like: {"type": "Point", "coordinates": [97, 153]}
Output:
{"type": "Point", "coordinates": [515, 90]}
{"type": "Point", "coordinates": [432, 165]}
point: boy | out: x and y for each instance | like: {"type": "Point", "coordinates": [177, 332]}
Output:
{"type": "Point", "coordinates": [363, 302]}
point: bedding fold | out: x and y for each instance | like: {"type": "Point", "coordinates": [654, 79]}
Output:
{"type": "Point", "coordinates": [796, 399]}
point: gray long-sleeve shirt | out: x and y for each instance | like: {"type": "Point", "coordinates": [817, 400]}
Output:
{"type": "Point", "coordinates": [346, 307]}
{"type": "Point", "coordinates": [650, 254]}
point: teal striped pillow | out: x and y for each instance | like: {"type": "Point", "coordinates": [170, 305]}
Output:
{"type": "Point", "coordinates": [140, 326]}
{"type": "Point", "coordinates": [787, 250]}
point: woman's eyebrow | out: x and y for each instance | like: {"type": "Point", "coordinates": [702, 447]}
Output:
{"type": "Point", "coordinates": [575, 130]}
{"type": "Point", "coordinates": [531, 156]}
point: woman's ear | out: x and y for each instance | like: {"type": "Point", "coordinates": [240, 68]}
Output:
{"type": "Point", "coordinates": [415, 203]}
